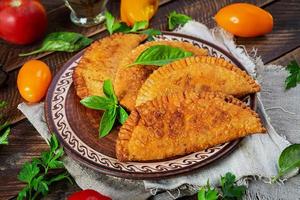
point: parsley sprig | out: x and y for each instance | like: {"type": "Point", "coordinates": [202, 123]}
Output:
{"type": "Point", "coordinates": [229, 190]}
{"type": "Point", "coordinates": [36, 173]}
{"type": "Point", "coordinates": [294, 75]}
{"type": "Point", "coordinates": [109, 103]}
{"type": "Point", "coordinates": [4, 128]}
{"type": "Point", "coordinates": [114, 26]}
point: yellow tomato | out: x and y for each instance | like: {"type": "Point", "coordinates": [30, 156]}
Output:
{"type": "Point", "coordinates": [134, 11]}
{"type": "Point", "coordinates": [33, 80]}
{"type": "Point", "coordinates": [245, 20]}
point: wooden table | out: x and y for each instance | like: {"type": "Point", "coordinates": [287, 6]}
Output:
{"type": "Point", "coordinates": [278, 47]}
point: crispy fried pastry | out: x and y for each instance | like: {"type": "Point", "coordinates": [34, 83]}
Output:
{"type": "Point", "coordinates": [100, 62]}
{"type": "Point", "coordinates": [183, 123]}
{"type": "Point", "coordinates": [199, 74]}
{"type": "Point", "coordinates": [129, 79]}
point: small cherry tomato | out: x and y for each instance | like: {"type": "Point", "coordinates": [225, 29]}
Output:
{"type": "Point", "coordinates": [245, 20]}
{"type": "Point", "coordinates": [33, 80]}
{"type": "Point", "coordinates": [87, 195]}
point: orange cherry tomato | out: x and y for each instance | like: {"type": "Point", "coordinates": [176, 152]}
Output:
{"type": "Point", "coordinates": [33, 80]}
{"type": "Point", "coordinates": [134, 11]}
{"type": "Point", "coordinates": [245, 20]}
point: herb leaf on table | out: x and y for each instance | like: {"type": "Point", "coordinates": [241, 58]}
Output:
{"type": "Point", "coordinates": [114, 26]}
{"type": "Point", "coordinates": [230, 189]}
{"type": "Point", "coordinates": [36, 172]}
{"type": "Point", "coordinates": [288, 160]}
{"type": "Point", "coordinates": [159, 55]}
{"type": "Point", "coordinates": [207, 193]}
{"type": "Point", "coordinates": [62, 41]}
{"type": "Point", "coordinates": [175, 19]}
{"type": "Point", "coordinates": [294, 75]}
{"type": "Point", "coordinates": [109, 103]}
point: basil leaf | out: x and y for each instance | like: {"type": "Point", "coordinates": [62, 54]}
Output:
{"type": "Point", "coordinates": [122, 115]}
{"type": "Point", "coordinates": [150, 33]}
{"type": "Point", "coordinates": [139, 26]}
{"type": "Point", "coordinates": [107, 121]}
{"type": "Point", "coordinates": [160, 55]}
{"type": "Point", "coordinates": [289, 159]}
{"type": "Point", "coordinates": [175, 19]}
{"type": "Point", "coordinates": [97, 103]}
{"type": "Point", "coordinates": [62, 41]}
{"type": "Point", "coordinates": [108, 90]}
{"type": "Point", "coordinates": [111, 24]}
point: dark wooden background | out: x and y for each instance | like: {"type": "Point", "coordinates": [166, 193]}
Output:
{"type": "Point", "coordinates": [278, 47]}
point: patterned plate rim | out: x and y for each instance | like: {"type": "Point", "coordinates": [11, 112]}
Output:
{"type": "Point", "coordinates": [224, 150]}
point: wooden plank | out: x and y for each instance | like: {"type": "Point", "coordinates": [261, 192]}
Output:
{"type": "Point", "coordinates": [285, 35]}
{"type": "Point", "coordinates": [11, 186]}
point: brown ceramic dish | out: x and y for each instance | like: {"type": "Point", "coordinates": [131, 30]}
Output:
{"type": "Point", "coordinates": [71, 122]}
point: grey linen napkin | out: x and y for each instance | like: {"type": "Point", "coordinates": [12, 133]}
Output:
{"type": "Point", "coordinates": [256, 156]}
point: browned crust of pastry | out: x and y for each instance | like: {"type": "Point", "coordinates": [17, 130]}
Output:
{"type": "Point", "coordinates": [127, 129]}
{"type": "Point", "coordinates": [102, 52]}
{"type": "Point", "coordinates": [129, 79]}
{"type": "Point", "coordinates": [156, 77]}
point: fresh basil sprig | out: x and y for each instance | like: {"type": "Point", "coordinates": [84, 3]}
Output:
{"type": "Point", "coordinates": [36, 173]}
{"type": "Point", "coordinates": [62, 41]}
{"type": "Point", "coordinates": [114, 26]}
{"type": "Point", "coordinates": [159, 55]}
{"type": "Point", "coordinates": [294, 75]}
{"type": "Point", "coordinates": [229, 189]}
{"type": "Point", "coordinates": [288, 160]}
{"type": "Point", "coordinates": [112, 109]}
{"type": "Point", "coordinates": [175, 19]}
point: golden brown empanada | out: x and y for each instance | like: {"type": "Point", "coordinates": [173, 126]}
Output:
{"type": "Point", "coordinates": [198, 74]}
{"type": "Point", "coordinates": [183, 123]}
{"type": "Point", "coordinates": [100, 62]}
{"type": "Point", "coordinates": [129, 80]}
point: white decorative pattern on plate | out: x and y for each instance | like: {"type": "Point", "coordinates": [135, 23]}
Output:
{"type": "Point", "coordinates": [57, 105]}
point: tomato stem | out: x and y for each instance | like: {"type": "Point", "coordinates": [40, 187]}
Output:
{"type": "Point", "coordinates": [15, 3]}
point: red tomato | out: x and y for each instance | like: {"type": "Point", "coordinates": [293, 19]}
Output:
{"type": "Point", "coordinates": [33, 80]}
{"type": "Point", "coordinates": [22, 21]}
{"type": "Point", "coordinates": [87, 195]}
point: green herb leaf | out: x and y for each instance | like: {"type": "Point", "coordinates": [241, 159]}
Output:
{"type": "Point", "coordinates": [288, 160]}
{"type": "Point", "coordinates": [139, 26]}
{"type": "Point", "coordinates": [98, 103]}
{"type": "Point", "coordinates": [175, 19]}
{"type": "Point", "coordinates": [23, 193]}
{"type": "Point", "coordinates": [207, 193]}
{"type": "Point", "coordinates": [111, 24]}
{"type": "Point", "coordinates": [151, 33]}
{"type": "Point", "coordinates": [160, 55]}
{"type": "Point", "coordinates": [40, 185]}
{"type": "Point", "coordinates": [3, 104]}
{"type": "Point", "coordinates": [53, 143]}
{"type": "Point", "coordinates": [107, 121]}
{"type": "Point", "coordinates": [62, 41]}
{"type": "Point", "coordinates": [108, 90]}
{"type": "Point", "coordinates": [294, 75]}
{"type": "Point", "coordinates": [230, 190]}
{"type": "Point", "coordinates": [28, 172]}
{"type": "Point", "coordinates": [122, 114]}
{"type": "Point", "coordinates": [60, 177]}
{"type": "Point", "coordinates": [4, 136]}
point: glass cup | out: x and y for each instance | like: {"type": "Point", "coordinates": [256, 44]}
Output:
{"type": "Point", "coordinates": [86, 12]}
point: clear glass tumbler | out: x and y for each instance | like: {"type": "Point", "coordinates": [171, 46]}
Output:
{"type": "Point", "coordinates": [86, 12]}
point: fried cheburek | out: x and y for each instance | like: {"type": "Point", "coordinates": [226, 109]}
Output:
{"type": "Point", "coordinates": [183, 123]}
{"type": "Point", "coordinates": [129, 80]}
{"type": "Point", "coordinates": [100, 62]}
{"type": "Point", "coordinates": [199, 74]}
